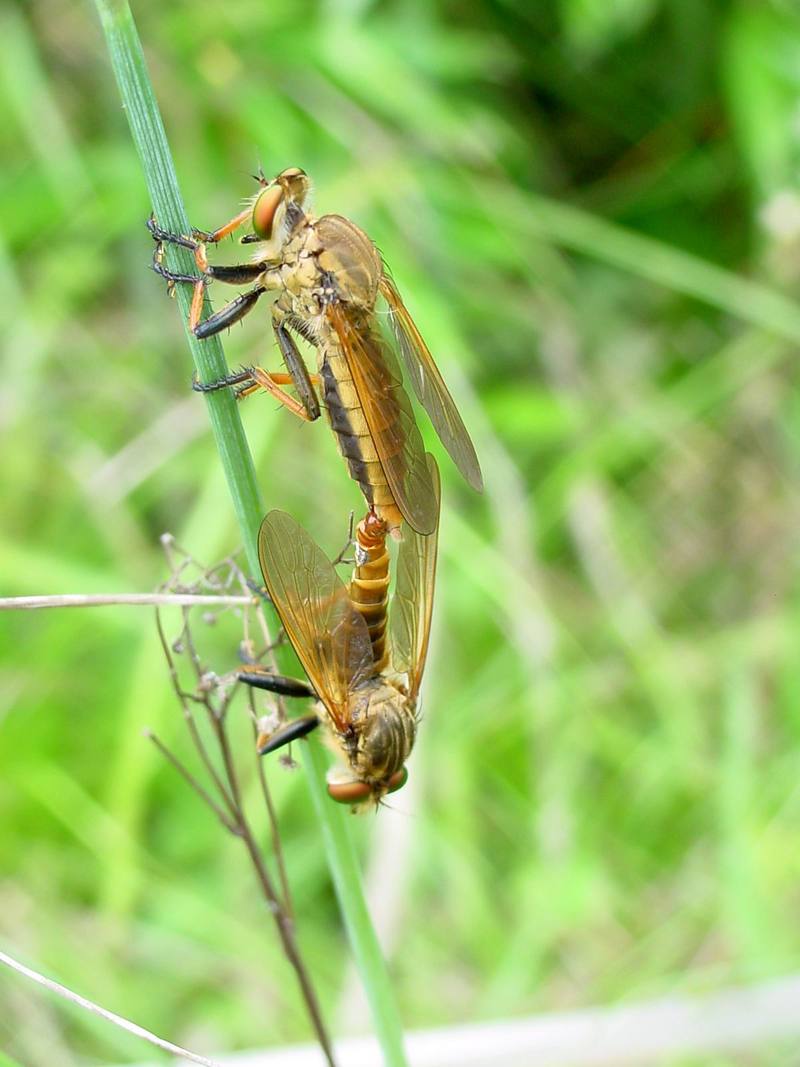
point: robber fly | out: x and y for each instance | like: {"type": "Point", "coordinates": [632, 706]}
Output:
{"type": "Point", "coordinates": [328, 275]}
{"type": "Point", "coordinates": [366, 678]}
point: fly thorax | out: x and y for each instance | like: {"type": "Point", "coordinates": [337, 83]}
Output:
{"type": "Point", "coordinates": [302, 283]}
{"type": "Point", "coordinates": [384, 726]}
{"type": "Point", "coordinates": [298, 257]}
{"type": "Point", "coordinates": [350, 258]}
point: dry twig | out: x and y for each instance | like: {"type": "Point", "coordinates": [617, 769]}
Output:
{"type": "Point", "coordinates": [211, 694]}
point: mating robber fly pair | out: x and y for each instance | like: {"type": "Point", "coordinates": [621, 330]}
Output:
{"type": "Point", "coordinates": [364, 659]}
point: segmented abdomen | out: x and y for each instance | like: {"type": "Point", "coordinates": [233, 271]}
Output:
{"type": "Point", "coordinates": [353, 438]}
{"type": "Point", "coordinates": [369, 586]}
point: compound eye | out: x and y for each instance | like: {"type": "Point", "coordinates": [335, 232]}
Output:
{"type": "Point", "coordinates": [397, 781]}
{"type": "Point", "coordinates": [349, 792]}
{"type": "Point", "coordinates": [264, 211]}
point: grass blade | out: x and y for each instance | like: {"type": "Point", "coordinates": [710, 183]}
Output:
{"type": "Point", "coordinates": [149, 137]}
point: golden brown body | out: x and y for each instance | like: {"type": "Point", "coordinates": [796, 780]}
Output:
{"type": "Point", "coordinates": [328, 275]}
{"type": "Point", "coordinates": [382, 716]}
{"type": "Point", "coordinates": [325, 262]}
{"type": "Point", "coordinates": [367, 675]}
{"type": "Point", "coordinates": [369, 585]}
{"type": "Point", "coordinates": [383, 726]}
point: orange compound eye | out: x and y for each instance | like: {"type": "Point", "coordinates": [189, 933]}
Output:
{"type": "Point", "coordinates": [349, 792]}
{"type": "Point", "coordinates": [264, 211]}
{"type": "Point", "coordinates": [356, 792]}
{"type": "Point", "coordinates": [397, 781]}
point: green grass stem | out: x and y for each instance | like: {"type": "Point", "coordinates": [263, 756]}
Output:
{"type": "Point", "coordinates": [149, 137]}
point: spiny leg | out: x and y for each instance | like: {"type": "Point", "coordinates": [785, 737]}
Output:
{"type": "Point", "coordinates": [245, 375]}
{"type": "Point", "coordinates": [214, 236]}
{"type": "Point", "coordinates": [284, 735]}
{"type": "Point", "coordinates": [238, 378]}
{"type": "Point", "coordinates": [295, 365]}
{"type": "Point", "coordinates": [226, 316]}
{"type": "Point", "coordinates": [174, 277]}
{"type": "Point", "coordinates": [285, 686]}
{"type": "Point", "coordinates": [256, 379]}
{"type": "Point", "coordinates": [342, 557]}
{"type": "Point", "coordinates": [158, 259]}
{"type": "Point", "coordinates": [278, 378]}
{"type": "Point", "coordinates": [161, 236]}
{"type": "Point", "coordinates": [267, 382]}
{"type": "Point", "coordinates": [252, 379]}
{"type": "Point", "coordinates": [199, 236]}
{"type": "Point", "coordinates": [233, 274]}
{"type": "Point", "coordinates": [275, 683]}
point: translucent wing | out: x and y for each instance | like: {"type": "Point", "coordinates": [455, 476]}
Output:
{"type": "Point", "coordinates": [389, 415]}
{"type": "Point", "coordinates": [429, 386]}
{"type": "Point", "coordinates": [412, 604]}
{"type": "Point", "coordinates": [329, 636]}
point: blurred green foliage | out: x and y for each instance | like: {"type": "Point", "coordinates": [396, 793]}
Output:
{"type": "Point", "coordinates": [592, 210]}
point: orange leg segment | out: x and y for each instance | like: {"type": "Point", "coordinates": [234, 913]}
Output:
{"type": "Point", "coordinates": [196, 309]}
{"type": "Point", "coordinates": [224, 231]}
{"type": "Point", "coordinates": [270, 383]}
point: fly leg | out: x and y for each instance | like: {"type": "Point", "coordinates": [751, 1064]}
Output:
{"type": "Point", "coordinates": [262, 379]}
{"type": "Point", "coordinates": [199, 237]}
{"type": "Point", "coordinates": [259, 678]}
{"type": "Point", "coordinates": [307, 407]}
{"type": "Point", "coordinates": [255, 379]}
{"type": "Point", "coordinates": [295, 364]}
{"type": "Point", "coordinates": [342, 556]}
{"type": "Point", "coordinates": [214, 236]}
{"type": "Point", "coordinates": [291, 687]}
{"type": "Point", "coordinates": [284, 735]}
{"type": "Point", "coordinates": [252, 379]}
{"type": "Point", "coordinates": [236, 274]}
{"type": "Point", "coordinates": [232, 274]}
{"type": "Point", "coordinates": [228, 315]}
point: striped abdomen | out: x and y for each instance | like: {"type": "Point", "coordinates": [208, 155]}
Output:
{"type": "Point", "coordinates": [369, 586]}
{"type": "Point", "coordinates": [355, 442]}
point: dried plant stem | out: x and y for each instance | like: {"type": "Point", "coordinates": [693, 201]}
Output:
{"type": "Point", "coordinates": [193, 783]}
{"type": "Point", "coordinates": [283, 920]}
{"type": "Point", "coordinates": [230, 810]}
{"type": "Point", "coordinates": [102, 600]}
{"type": "Point", "coordinates": [110, 1016]}
{"type": "Point", "coordinates": [277, 847]}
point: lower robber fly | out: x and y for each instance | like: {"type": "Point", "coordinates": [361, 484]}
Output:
{"type": "Point", "coordinates": [364, 658]}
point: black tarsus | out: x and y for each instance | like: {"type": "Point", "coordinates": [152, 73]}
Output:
{"type": "Point", "coordinates": [231, 274]}
{"type": "Point", "coordinates": [171, 238]}
{"type": "Point", "coordinates": [238, 378]}
{"type": "Point", "coordinates": [172, 276]}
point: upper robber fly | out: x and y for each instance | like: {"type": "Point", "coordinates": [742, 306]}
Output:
{"type": "Point", "coordinates": [328, 275]}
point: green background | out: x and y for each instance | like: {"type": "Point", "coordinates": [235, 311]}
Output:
{"type": "Point", "coordinates": [592, 211]}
